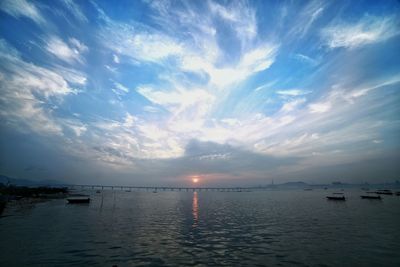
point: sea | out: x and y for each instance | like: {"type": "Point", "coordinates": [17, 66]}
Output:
{"type": "Point", "coordinates": [179, 228]}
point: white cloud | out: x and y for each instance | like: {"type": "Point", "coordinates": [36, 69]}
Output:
{"type": "Point", "coordinates": [75, 10]}
{"type": "Point", "coordinates": [182, 109]}
{"type": "Point", "coordinates": [306, 59]}
{"type": "Point", "coordinates": [201, 52]}
{"type": "Point", "coordinates": [120, 89]}
{"type": "Point", "coordinates": [320, 107]}
{"type": "Point", "coordinates": [252, 61]}
{"type": "Point", "coordinates": [77, 127]}
{"type": "Point", "coordinates": [292, 105]}
{"type": "Point", "coordinates": [364, 89]}
{"type": "Point", "coordinates": [71, 75]}
{"type": "Point", "coordinates": [68, 53]}
{"type": "Point", "coordinates": [81, 47]}
{"type": "Point", "coordinates": [25, 89]}
{"type": "Point", "coordinates": [258, 59]}
{"type": "Point", "coordinates": [212, 157]}
{"type": "Point", "coordinates": [151, 109]}
{"type": "Point", "coordinates": [303, 19]}
{"type": "Point", "coordinates": [116, 59]}
{"type": "Point", "coordinates": [22, 8]}
{"type": "Point", "coordinates": [134, 138]}
{"type": "Point", "coordinates": [179, 100]}
{"type": "Point", "coordinates": [240, 16]}
{"type": "Point", "coordinates": [368, 30]}
{"type": "Point", "coordinates": [140, 45]}
{"type": "Point", "coordinates": [293, 92]}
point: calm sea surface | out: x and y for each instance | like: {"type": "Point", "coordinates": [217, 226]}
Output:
{"type": "Point", "coordinates": [265, 228]}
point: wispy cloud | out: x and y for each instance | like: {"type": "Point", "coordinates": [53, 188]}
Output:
{"type": "Point", "coordinates": [293, 92]}
{"type": "Point", "coordinates": [368, 30]}
{"type": "Point", "coordinates": [292, 105]}
{"type": "Point", "coordinates": [305, 18]}
{"type": "Point", "coordinates": [26, 88]}
{"type": "Point", "coordinates": [306, 59]}
{"type": "Point", "coordinates": [146, 45]}
{"type": "Point", "coordinates": [120, 89]}
{"type": "Point", "coordinates": [75, 10]}
{"type": "Point", "coordinates": [223, 89]}
{"type": "Point", "coordinates": [71, 53]}
{"type": "Point", "coordinates": [22, 8]}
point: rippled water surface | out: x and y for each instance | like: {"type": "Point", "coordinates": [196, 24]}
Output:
{"type": "Point", "coordinates": [265, 228]}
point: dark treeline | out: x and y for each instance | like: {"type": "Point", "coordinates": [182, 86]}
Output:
{"type": "Point", "coordinates": [25, 191]}
{"type": "Point", "coordinates": [12, 192]}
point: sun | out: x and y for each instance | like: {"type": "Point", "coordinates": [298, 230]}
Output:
{"type": "Point", "coordinates": [195, 180]}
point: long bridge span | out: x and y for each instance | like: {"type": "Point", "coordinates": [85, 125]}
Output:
{"type": "Point", "coordinates": [163, 188]}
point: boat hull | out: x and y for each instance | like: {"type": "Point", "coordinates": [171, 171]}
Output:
{"type": "Point", "coordinates": [336, 198]}
{"type": "Point", "coordinates": [78, 200]}
{"type": "Point", "coordinates": [2, 206]}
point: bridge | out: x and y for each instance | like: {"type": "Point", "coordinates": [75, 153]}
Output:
{"type": "Point", "coordinates": [164, 188]}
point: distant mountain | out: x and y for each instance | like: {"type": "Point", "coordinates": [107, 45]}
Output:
{"type": "Point", "coordinates": [25, 182]}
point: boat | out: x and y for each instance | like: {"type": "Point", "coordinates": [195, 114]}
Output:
{"type": "Point", "coordinates": [398, 193]}
{"type": "Point", "coordinates": [336, 198]}
{"type": "Point", "coordinates": [371, 197]}
{"type": "Point", "coordinates": [384, 192]}
{"type": "Point", "coordinates": [2, 205]}
{"type": "Point", "coordinates": [338, 193]}
{"type": "Point", "coordinates": [78, 199]}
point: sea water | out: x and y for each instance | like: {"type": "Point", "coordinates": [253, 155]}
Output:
{"type": "Point", "coordinates": [259, 228]}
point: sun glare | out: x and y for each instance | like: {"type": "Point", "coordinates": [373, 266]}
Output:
{"type": "Point", "coordinates": [195, 180]}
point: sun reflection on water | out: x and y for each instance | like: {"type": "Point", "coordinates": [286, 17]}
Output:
{"type": "Point", "coordinates": [195, 209]}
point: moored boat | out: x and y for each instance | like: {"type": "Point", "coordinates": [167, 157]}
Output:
{"type": "Point", "coordinates": [2, 205]}
{"type": "Point", "coordinates": [78, 199]}
{"type": "Point", "coordinates": [384, 192]}
{"type": "Point", "coordinates": [336, 198]}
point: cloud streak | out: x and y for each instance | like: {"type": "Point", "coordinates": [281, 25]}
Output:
{"type": "Point", "coordinates": [367, 30]}
{"type": "Point", "coordinates": [70, 53]}
{"type": "Point", "coordinates": [22, 8]}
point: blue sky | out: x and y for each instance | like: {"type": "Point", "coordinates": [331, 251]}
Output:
{"type": "Point", "coordinates": [234, 92]}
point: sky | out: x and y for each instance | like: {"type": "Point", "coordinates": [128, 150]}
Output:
{"type": "Point", "coordinates": [228, 92]}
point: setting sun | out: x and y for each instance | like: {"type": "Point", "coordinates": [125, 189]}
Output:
{"type": "Point", "coordinates": [195, 180]}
